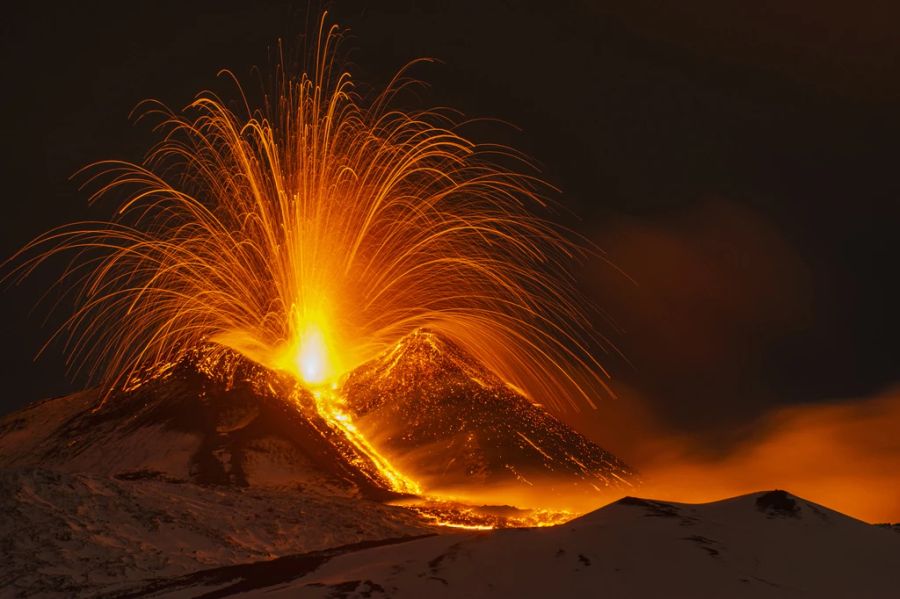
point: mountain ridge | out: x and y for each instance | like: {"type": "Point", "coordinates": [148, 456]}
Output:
{"type": "Point", "coordinates": [763, 544]}
{"type": "Point", "coordinates": [448, 418]}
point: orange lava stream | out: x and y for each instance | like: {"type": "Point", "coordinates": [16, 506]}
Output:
{"type": "Point", "coordinates": [330, 407]}
{"type": "Point", "coordinates": [451, 513]}
{"type": "Point", "coordinates": [433, 508]}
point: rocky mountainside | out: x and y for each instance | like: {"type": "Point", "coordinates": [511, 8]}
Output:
{"type": "Point", "coordinates": [214, 460]}
{"type": "Point", "coordinates": [189, 468]}
{"type": "Point", "coordinates": [212, 418]}
{"type": "Point", "coordinates": [452, 422]}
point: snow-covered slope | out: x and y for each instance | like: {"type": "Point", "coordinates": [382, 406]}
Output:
{"type": "Point", "coordinates": [185, 471]}
{"type": "Point", "coordinates": [760, 545]}
{"type": "Point", "coordinates": [223, 478]}
{"type": "Point", "coordinates": [68, 535]}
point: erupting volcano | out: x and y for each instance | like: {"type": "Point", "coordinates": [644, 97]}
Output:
{"type": "Point", "coordinates": [322, 322]}
{"type": "Point", "coordinates": [371, 274]}
{"type": "Point", "coordinates": [216, 418]}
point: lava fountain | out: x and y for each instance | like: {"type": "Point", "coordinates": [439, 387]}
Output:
{"type": "Point", "coordinates": [310, 231]}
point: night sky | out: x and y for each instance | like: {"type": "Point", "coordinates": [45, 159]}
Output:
{"type": "Point", "coordinates": [737, 162]}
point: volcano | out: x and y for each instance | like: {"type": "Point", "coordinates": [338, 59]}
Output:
{"type": "Point", "coordinates": [208, 462]}
{"type": "Point", "coordinates": [217, 418]}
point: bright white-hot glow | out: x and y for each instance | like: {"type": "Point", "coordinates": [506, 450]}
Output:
{"type": "Point", "coordinates": [312, 356]}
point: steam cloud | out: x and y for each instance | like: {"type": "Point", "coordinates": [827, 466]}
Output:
{"type": "Point", "coordinates": [845, 455]}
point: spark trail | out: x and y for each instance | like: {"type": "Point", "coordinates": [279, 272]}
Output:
{"type": "Point", "coordinates": [313, 231]}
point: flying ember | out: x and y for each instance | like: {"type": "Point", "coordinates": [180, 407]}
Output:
{"type": "Point", "coordinates": [313, 231]}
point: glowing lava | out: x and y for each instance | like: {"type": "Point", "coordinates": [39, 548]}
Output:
{"type": "Point", "coordinates": [313, 357]}
{"type": "Point", "coordinates": [456, 514]}
{"type": "Point", "coordinates": [331, 407]}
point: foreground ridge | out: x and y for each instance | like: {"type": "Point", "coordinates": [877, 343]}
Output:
{"type": "Point", "coordinates": [767, 544]}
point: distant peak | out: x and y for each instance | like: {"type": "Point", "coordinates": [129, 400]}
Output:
{"type": "Point", "coordinates": [424, 352]}
{"type": "Point", "coordinates": [425, 339]}
{"type": "Point", "coordinates": [778, 503]}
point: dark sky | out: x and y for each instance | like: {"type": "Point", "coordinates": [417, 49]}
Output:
{"type": "Point", "coordinates": [738, 160]}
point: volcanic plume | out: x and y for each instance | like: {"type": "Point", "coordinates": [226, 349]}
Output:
{"type": "Point", "coordinates": [312, 229]}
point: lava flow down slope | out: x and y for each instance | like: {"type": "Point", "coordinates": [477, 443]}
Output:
{"type": "Point", "coordinates": [185, 469]}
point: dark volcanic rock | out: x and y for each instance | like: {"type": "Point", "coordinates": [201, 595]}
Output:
{"type": "Point", "coordinates": [450, 418]}
{"type": "Point", "coordinates": [213, 417]}
{"type": "Point", "coordinates": [778, 503]}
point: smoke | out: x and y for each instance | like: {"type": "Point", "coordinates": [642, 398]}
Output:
{"type": "Point", "coordinates": [844, 455]}
{"type": "Point", "coordinates": [735, 336]}
{"type": "Point", "coordinates": [720, 297]}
